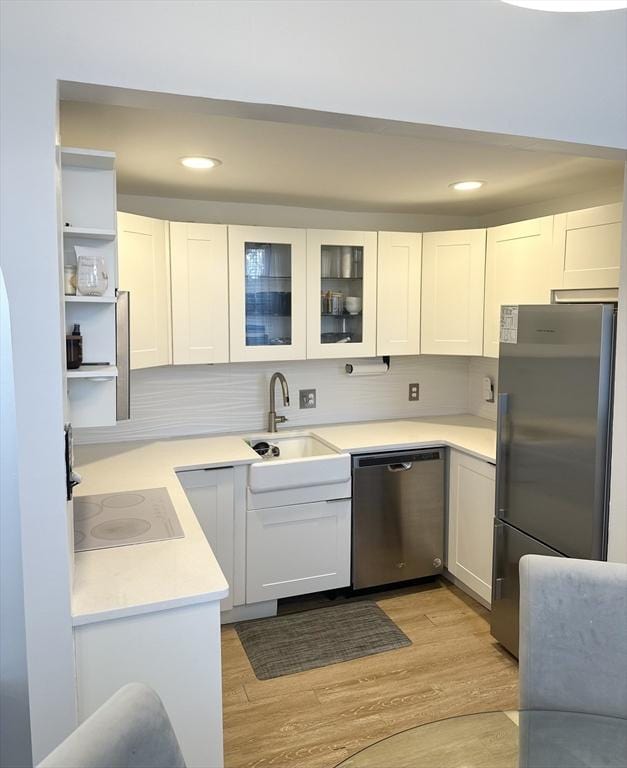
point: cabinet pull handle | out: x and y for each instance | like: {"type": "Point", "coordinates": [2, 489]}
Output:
{"type": "Point", "coordinates": [501, 452]}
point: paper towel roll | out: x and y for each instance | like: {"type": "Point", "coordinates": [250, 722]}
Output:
{"type": "Point", "coordinates": [366, 369]}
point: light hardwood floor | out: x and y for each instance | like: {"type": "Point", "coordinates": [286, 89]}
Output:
{"type": "Point", "coordinates": [317, 718]}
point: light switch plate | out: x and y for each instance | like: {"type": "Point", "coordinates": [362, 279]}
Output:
{"type": "Point", "coordinates": [307, 398]}
{"type": "Point", "coordinates": [414, 391]}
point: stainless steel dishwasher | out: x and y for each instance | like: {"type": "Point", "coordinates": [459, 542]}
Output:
{"type": "Point", "coordinates": [398, 516]}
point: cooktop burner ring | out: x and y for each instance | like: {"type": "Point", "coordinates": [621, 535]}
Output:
{"type": "Point", "coordinates": [120, 528]}
{"type": "Point", "coordinates": [84, 510]}
{"type": "Point", "coordinates": [122, 500]}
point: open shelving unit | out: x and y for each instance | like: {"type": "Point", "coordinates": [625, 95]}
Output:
{"type": "Point", "coordinates": [93, 372]}
{"type": "Point", "coordinates": [88, 190]}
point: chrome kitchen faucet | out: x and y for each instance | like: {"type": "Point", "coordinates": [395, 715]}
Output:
{"type": "Point", "coordinates": [273, 419]}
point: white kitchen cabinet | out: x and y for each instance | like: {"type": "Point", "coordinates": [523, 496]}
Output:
{"type": "Point", "coordinates": [267, 284]}
{"type": "Point", "coordinates": [341, 294]}
{"type": "Point", "coordinates": [200, 293]}
{"type": "Point", "coordinates": [471, 522]}
{"type": "Point", "coordinates": [144, 269]}
{"type": "Point", "coordinates": [210, 493]}
{"type": "Point", "coordinates": [588, 244]}
{"type": "Point", "coordinates": [398, 293]}
{"type": "Point", "coordinates": [453, 274]}
{"type": "Point", "coordinates": [520, 269]}
{"type": "Point", "coordinates": [297, 549]}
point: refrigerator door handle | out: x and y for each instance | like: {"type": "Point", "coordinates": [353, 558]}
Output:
{"type": "Point", "coordinates": [501, 452]}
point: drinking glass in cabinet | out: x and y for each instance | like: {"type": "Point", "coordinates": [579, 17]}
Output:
{"type": "Point", "coordinates": [268, 277]}
{"type": "Point", "coordinates": [341, 294]}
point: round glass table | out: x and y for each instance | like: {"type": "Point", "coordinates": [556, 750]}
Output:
{"type": "Point", "coordinates": [525, 739]}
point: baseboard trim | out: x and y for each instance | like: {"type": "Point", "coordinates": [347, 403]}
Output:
{"type": "Point", "coordinates": [253, 611]}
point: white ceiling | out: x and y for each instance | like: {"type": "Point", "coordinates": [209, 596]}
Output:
{"type": "Point", "coordinates": [319, 167]}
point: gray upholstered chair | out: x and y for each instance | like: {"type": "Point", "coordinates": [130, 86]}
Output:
{"type": "Point", "coordinates": [573, 658]}
{"type": "Point", "coordinates": [130, 730]}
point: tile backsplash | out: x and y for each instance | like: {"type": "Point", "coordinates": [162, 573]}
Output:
{"type": "Point", "coordinates": [212, 399]}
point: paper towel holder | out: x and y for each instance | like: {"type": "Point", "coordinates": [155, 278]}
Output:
{"type": "Point", "coordinates": [349, 367]}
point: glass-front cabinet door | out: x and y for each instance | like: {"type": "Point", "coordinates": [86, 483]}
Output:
{"type": "Point", "coordinates": [341, 293]}
{"type": "Point", "coordinates": [267, 279]}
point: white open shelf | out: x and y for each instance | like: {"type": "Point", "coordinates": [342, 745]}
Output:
{"type": "Point", "coordinates": [93, 372]}
{"type": "Point", "coordinates": [91, 299]}
{"type": "Point", "coordinates": [89, 233]}
{"type": "Point", "coordinates": [88, 158]}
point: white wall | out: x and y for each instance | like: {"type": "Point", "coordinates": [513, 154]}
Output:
{"type": "Point", "coordinates": [479, 65]}
{"type": "Point", "coordinates": [195, 399]}
{"type": "Point", "coordinates": [15, 749]}
{"type": "Point", "coordinates": [214, 212]}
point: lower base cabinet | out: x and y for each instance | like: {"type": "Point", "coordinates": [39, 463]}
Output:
{"type": "Point", "coordinates": [211, 494]}
{"type": "Point", "coordinates": [297, 549]}
{"type": "Point", "coordinates": [175, 651]}
{"type": "Point", "coordinates": [471, 522]}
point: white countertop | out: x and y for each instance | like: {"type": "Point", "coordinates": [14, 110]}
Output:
{"type": "Point", "coordinates": [124, 581]}
{"type": "Point", "coordinates": [470, 434]}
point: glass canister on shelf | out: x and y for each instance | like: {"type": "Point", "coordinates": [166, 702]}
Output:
{"type": "Point", "coordinates": [69, 280]}
{"type": "Point", "coordinates": [91, 272]}
{"type": "Point", "coordinates": [347, 261]}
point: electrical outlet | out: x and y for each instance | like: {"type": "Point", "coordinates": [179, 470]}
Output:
{"type": "Point", "coordinates": [307, 398]}
{"type": "Point", "coordinates": [414, 391]}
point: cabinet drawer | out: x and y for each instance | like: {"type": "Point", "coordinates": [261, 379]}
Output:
{"type": "Point", "coordinates": [297, 549]}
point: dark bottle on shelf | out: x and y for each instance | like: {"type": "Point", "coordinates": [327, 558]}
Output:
{"type": "Point", "coordinates": [74, 348]}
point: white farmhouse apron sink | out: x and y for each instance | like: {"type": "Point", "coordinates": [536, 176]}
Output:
{"type": "Point", "coordinates": [303, 461]}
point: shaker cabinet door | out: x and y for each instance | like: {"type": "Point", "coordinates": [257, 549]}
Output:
{"type": "Point", "coordinates": [520, 269]}
{"type": "Point", "coordinates": [144, 271]}
{"type": "Point", "coordinates": [398, 293]}
{"type": "Point", "coordinates": [470, 522]}
{"type": "Point", "coordinates": [588, 242]}
{"type": "Point", "coordinates": [267, 279]}
{"type": "Point", "coordinates": [200, 288]}
{"type": "Point", "coordinates": [211, 495]}
{"type": "Point", "coordinates": [297, 549]}
{"type": "Point", "coordinates": [341, 294]}
{"type": "Point", "coordinates": [453, 274]}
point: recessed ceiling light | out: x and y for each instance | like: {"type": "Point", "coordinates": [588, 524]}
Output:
{"type": "Point", "coordinates": [200, 163]}
{"type": "Point", "coordinates": [570, 6]}
{"type": "Point", "coordinates": [466, 186]}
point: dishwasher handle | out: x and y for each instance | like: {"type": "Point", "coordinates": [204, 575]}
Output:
{"type": "Point", "coordinates": [400, 460]}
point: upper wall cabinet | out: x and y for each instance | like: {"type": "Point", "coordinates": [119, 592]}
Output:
{"type": "Point", "coordinates": [520, 265]}
{"type": "Point", "coordinates": [267, 279]}
{"type": "Point", "coordinates": [398, 293]}
{"type": "Point", "coordinates": [200, 288]}
{"type": "Point", "coordinates": [341, 294]}
{"type": "Point", "coordinates": [588, 244]}
{"type": "Point", "coordinates": [453, 273]}
{"type": "Point", "coordinates": [144, 269]}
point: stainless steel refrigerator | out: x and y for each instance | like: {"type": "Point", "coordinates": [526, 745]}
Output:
{"type": "Point", "coordinates": [553, 443]}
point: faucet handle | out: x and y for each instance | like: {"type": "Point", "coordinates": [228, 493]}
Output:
{"type": "Point", "coordinates": [280, 419]}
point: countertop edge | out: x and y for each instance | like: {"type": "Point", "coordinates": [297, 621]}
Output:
{"type": "Point", "coordinates": [84, 619]}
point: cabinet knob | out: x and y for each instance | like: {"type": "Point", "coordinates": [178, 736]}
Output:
{"type": "Point", "coordinates": [437, 563]}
